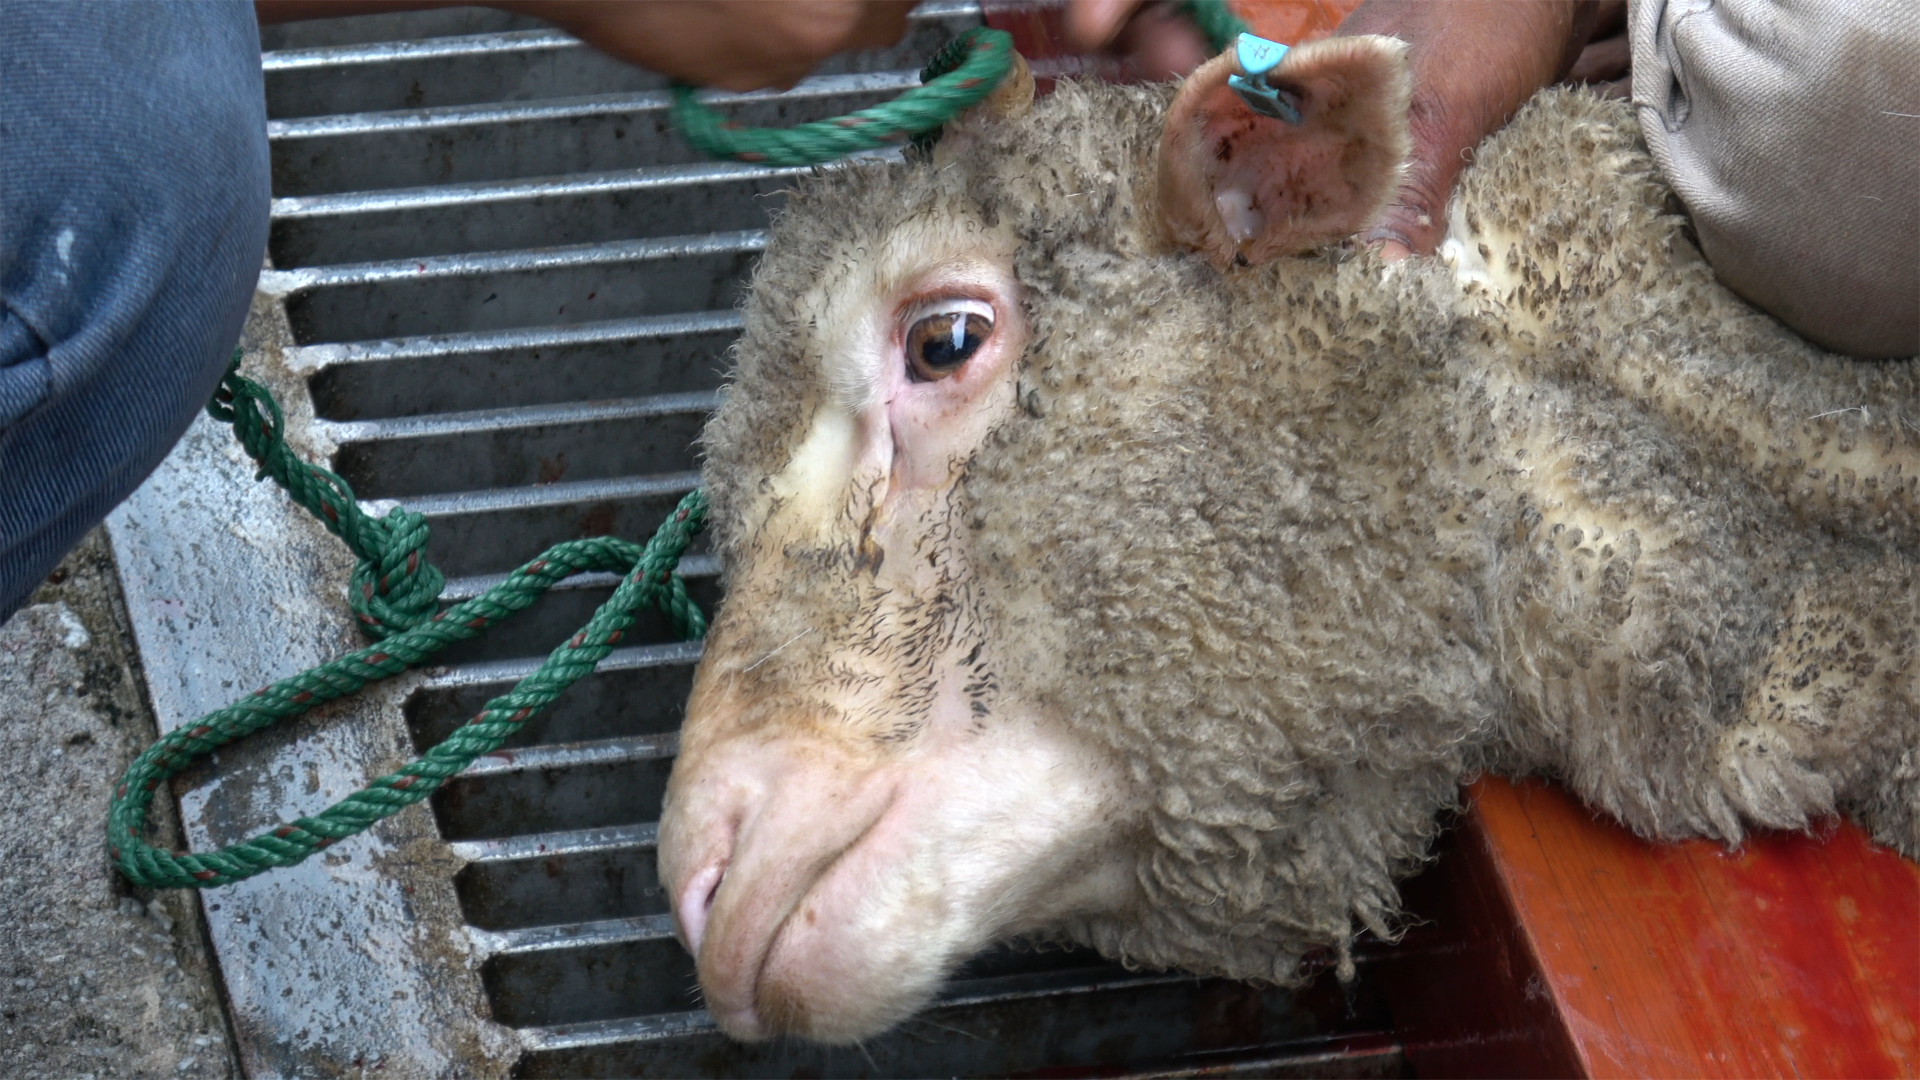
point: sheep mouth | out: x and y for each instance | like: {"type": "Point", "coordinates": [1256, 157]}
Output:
{"type": "Point", "coordinates": [776, 1001]}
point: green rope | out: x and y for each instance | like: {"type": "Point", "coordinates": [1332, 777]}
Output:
{"type": "Point", "coordinates": [959, 77]}
{"type": "Point", "coordinates": [980, 58]}
{"type": "Point", "coordinates": [393, 591]}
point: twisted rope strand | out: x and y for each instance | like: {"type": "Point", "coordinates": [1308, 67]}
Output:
{"type": "Point", "coordinates": [974, 63]}
{"type": "Point", "coordinates": [389, 579]}
{"type": "Point", "coordinates": [958, 77]}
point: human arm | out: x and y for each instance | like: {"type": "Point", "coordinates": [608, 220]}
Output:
{"type": "Point", "coordinates": [1472, 64]}
{"type": "Point", "coordinates": [727, 44]}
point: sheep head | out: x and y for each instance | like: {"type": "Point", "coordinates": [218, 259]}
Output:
{"type": "Point", "coordinates": [944, 703]}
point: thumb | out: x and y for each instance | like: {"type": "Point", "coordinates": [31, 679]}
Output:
{"type": "Point", "coordinates": [1416, 221]}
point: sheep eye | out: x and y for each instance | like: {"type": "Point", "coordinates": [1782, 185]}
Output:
{"type": "Point", "coordinates": [938, 344]}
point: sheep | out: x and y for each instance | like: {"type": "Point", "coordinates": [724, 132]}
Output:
{"type": "Point", "coordinates": [1114, 558]}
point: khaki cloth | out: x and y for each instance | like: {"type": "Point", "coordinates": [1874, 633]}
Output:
{"type": "Point", "coordinates": [1791, 130]}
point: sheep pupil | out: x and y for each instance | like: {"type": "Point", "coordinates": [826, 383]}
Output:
{"type": "Point", "coordinates": [938, 344]}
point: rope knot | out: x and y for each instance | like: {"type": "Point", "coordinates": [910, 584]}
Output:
{"type": "Point", "coordinates": [395, 588]}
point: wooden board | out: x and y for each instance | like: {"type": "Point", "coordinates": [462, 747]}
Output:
{"type": "Point", "coordinates": [1559, 944]}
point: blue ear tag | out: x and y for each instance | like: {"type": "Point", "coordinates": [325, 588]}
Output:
{"type": "Point", "coordinates": [1257, 56]}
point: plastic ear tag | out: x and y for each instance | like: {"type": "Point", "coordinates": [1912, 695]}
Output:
{"type": "Point", "coordinates": [1257, 56]}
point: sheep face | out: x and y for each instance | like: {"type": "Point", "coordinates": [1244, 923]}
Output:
{"type": "Point", "coordinates": [879, 774]}
{"type": "Point", "coordinates": [861, 800]}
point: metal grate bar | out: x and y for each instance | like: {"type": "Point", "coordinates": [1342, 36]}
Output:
{"type": "Point", "coordinates": [516, 448]}
{"type": "Point", "coordinates": [655, 354]}
{"type": "Point", "coordinates": [593, 935]}
{"type": "Point", "coordinates": [640, 837]}
{"type": "Point", "coordinates": [393, 26]}
{"type": "Point", "coordinates": [477, 421]}
{"type": "Point", "coordinates": [505, 762]}
{"type": "Point", "coordinates": [468, 143]}
{"type": "Point", "coordinates": [497, 215]}
{"type": "Point", "coordinates": [1167, 1026]}
{"type": "Point", "coordinates": [410, 297]}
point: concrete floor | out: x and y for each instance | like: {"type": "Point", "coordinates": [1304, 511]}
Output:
{"type": "Point", "coordinates": [97, 978]}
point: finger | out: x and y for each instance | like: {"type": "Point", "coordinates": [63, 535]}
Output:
{"type": "Point", "coordinates": [742, 72]}
{"type": "Point", "coordinates": [745, 82]}
{"type": "Point", "coordinates": [1389, 230]}
{"type": "Point", "coordinates": [1602, 61]}
{"type": "Point", "coordinates": [1162, 43]}
{"type": "Point", "coordinates": [882, 23]}
{"type": "Point", "coordinates": [1395, 236]}
{"type": "Point", "coordinates": [1472, 65]}
{"type": "Point", "coordinates": [1609, 18]}
{"type": "Point", "coordinates": [1091, 24]}
{"type": "Point", "coordinates": [1392, 250]}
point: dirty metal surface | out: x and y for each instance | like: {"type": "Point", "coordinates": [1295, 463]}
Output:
{"type": "Point", "coordinates": [501, 293]}
{"type": "Point", "coordinates": [355, 956]}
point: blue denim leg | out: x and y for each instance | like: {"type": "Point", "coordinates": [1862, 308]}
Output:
{"type": "Point", "coordinates": [133, 220]}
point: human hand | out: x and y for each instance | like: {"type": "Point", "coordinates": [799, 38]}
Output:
{"type": "Point", "coordinates": [1606, 64]}
{"type": "Point", "coordinates": [1473, 62]}
{"type": "Point", "coordinates": [728, 44]}
{"type": "Point", "coordinates": [1159, 40]}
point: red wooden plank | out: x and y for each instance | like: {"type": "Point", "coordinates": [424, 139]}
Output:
{"type": "Point", "coordinates": [1464, 986]}
{"type": "Point", "coordinates": [1792, 956]}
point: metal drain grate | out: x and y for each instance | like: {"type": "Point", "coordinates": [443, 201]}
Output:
{"type": "Point", "coordinates": [509, 290]}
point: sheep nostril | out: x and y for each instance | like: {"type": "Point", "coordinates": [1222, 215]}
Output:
{"type": "Point", "coordinates": [696, 900]}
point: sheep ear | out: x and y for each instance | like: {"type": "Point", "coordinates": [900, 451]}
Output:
{"type": "Point", "coordinates": [1238, 186]}
{"type": "Point", "coordinates": [1011, 99]}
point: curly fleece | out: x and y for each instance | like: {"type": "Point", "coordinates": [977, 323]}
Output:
{"type": "Point", "coordinates": [1319, 539]}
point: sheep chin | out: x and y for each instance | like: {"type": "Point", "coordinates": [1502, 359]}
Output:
{"type": "Point", "coordinates": [853, 891]}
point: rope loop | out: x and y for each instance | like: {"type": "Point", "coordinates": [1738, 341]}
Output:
{"type": "Point", "coordinates": [394, 592]}
{"type": "Point", "coordinates": [988, 56]}
{"type": "Point", "coordinates": [959, 76]}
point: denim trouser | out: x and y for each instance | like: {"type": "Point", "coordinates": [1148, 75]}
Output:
{"type": "Point", "coordinates": [133, 221]}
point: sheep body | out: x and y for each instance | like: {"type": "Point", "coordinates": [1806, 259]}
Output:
{"type": "Point", "coordinates": [1304, 545]}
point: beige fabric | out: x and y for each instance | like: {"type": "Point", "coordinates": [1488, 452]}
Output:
{"type": "Point", "coordinates": [1791, 129]}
